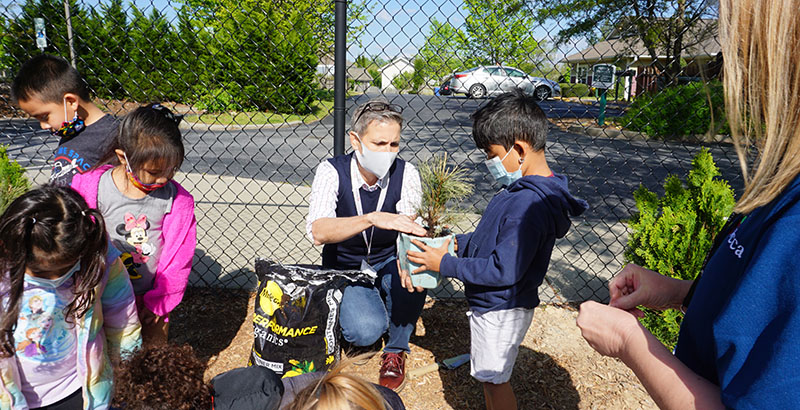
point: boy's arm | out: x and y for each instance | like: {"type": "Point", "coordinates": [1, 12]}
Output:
{"type": "Point", "coordinates": [462, 243]}
{"type": "Point", "coordinates": [506, 264]}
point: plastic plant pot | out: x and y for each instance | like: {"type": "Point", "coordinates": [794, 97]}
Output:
{"type": "Point", "coordinates": [426, 279]}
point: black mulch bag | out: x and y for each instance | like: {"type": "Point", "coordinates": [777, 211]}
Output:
{"type": "Point", "coordinates": [296, 319]}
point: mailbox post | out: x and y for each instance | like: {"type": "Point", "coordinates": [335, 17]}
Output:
{"type": "Point", "coordinates": [602, 80]}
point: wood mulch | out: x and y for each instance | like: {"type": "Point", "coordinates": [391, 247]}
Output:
{"type": "Point", "coordinates": [556, 368]}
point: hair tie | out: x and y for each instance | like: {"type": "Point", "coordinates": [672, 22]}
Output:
{"type": "Point", "coordinates": [34, 221]}
{"type": "Point", "coordinates": [167, 113]}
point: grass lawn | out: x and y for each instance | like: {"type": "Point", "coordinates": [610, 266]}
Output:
{"type": "Point", "coordinates": [320, 109]}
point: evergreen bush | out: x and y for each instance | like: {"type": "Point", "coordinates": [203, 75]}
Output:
{"type": "Point", "coordinates": [672, 234]}
{"type": "Point", "coordinates": [678, 111]}
{"type": "Point", "coordinates": [13, 182]}
{"type": "Point", "coordinates": [574, 90]}
{"type": "Point", "coordinates": [442, 188]}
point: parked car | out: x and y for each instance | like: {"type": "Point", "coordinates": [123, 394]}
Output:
{"type": "Point", "coordinates": [544, 88]}
{"type": "Point", "coordinates": [445, 89]}
{"type": "Point", "coordinates": [482, 81]}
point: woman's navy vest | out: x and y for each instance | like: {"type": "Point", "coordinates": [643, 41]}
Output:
{"type": "Point", "coordinates": [348, 254]}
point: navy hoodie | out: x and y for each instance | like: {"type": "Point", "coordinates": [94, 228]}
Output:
{"type": "Point", "coordinates": [503, 262]}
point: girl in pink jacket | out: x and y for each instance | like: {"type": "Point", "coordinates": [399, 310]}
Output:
{"type": "Point", "coordinates": [149, 216]}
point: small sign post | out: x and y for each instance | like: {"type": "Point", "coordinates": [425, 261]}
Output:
{"type": "Point", "coordinates": [602, 79]}
{"type": "Point", "coordinates": [41, 34]}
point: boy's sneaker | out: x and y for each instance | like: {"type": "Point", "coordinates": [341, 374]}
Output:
{"type": "Point", "coordinates": [393, 370]}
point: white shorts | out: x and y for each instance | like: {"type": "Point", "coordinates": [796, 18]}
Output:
{"type": "Point", "coordinates": [496, 337]}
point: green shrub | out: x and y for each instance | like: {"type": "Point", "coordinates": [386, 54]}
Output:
{"type": "Point", "coordinates": [678, 110]}
{"type": "Point", "coordinates": [403, 82]}
{"type": "Point", "coordinates": [376, 77]}
{"type": "Point", "coordinates": [219, 99]}
{"type": "Point", "coordinates": [13, 182]}
{"type": "Point", "coordinates": [574, 90]}
{"type": "Point", "coordinates": [671, 235]}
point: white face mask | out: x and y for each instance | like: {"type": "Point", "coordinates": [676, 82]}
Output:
{"type": "Point", "coordinates": [53, 283]}
{"type": "Point", "coordinates": [376, 162]}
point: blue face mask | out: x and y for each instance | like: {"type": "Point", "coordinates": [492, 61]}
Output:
{"type": "Point", "coordinates": [53, 283]}
{"type": "Point", "coordinates": [499, 171]}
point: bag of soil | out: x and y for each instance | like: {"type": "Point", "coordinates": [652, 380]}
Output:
{"type": "Point", "coordinates": [296, 319]}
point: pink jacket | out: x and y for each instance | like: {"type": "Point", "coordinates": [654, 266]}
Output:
{"type": "Point", "coordinates": [179, 230]}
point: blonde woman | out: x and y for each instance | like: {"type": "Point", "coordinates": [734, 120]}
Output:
{"type": "Point", "coordinates": [337, 390]}
{"type": "Point", "coordinates": [738, 346]}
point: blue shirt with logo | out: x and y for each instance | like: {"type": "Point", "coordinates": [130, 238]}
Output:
{"type": "Point", "coordinates": [742, 327]}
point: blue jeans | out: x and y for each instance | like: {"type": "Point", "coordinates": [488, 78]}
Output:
{"type": "Point", "coordinates": [368, 311]}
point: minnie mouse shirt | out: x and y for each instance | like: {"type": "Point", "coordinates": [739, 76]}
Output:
{"type": "Point", "coordinates": [134, 226]}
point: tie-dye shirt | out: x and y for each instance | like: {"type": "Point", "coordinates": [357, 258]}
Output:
{"type": "Point", "coordinates": [46, 345]}
{"type": "Point", "coordinates": [109, 329]}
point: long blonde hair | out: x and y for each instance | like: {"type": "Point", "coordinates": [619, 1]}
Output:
{"type": "Point", "coordinates": [762, 93]}
{"type": "Point", "coordinates": [339, 391]}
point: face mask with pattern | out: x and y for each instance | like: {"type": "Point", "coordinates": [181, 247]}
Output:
{"type": "Point", "coordinates": [69, 129]}
{"type": "Point", "coordinates": [138, 183]}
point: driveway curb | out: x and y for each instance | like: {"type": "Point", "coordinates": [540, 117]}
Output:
{"type": "Point", "coordinates": [640, 136]}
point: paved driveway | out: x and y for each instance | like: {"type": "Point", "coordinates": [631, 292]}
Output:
{"type": "Point", "coordinates": [250, 184]}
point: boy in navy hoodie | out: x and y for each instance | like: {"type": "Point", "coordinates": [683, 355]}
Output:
{"type": "Point", "coordinates": [503, 262]}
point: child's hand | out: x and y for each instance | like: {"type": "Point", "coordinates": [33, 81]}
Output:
{"type": "Point", "coordinates": [429, 258]}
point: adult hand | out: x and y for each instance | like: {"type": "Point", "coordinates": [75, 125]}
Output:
{"type": "Point", "coordinates": [405, 279]}
{"type": "Point", "coordinates": [395, 222]}
{"type": "Point", "coordinates": [634, 286]}
{"type": "Point", "coordinates": [430, 258]}
{"type": "Point", "coordinates": [607, 329]}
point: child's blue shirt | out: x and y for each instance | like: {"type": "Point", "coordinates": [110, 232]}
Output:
{"type": "Point", "coordinates": [742, 326]}
{"type": "Point", "coordinates": [503, 262]}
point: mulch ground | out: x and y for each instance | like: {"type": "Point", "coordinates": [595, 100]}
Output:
{"type": "Point", "coordinates": [556, 368]}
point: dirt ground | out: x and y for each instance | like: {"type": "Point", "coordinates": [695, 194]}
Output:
{"type": "Point", "coordinates": [556, 368]}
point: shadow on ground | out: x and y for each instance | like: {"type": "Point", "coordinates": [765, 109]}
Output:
{"type": "Point", "coordinates": [538, 381]}
{"type": "Point", "coordinates": [208, 319]}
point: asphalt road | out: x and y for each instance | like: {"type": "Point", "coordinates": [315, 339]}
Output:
{"type": "Point", "coordinates": [604, 171]}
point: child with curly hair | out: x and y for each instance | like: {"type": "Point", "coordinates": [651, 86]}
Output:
{"type": "Point", "coordinates": [171, 377]}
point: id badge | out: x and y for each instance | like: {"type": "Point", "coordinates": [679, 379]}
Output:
{"type": "Point", "coordinates": [367, 268]}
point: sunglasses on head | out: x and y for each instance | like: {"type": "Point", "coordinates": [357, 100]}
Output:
{"type": "Point", "coordinates": [379, 107]}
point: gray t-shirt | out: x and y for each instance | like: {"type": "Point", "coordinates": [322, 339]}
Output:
{"type": "Point", "coordinates": [134, 226]}
{"type": "Point", "coordinates": [78, 154]}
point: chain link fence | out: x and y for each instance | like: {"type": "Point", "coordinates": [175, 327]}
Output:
{"type": "Point", "coordinates": [255, 81]}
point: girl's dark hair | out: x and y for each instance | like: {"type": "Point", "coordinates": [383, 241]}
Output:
{"type": "Point", "coordinates": [164, 376]}
{"type": "Point", "coordinates": [148, 134]}
{"type": "Point", "coordinates": [50, 224]}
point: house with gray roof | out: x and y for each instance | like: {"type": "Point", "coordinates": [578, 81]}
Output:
{"type": "Point", "coordinates": [628, 53]}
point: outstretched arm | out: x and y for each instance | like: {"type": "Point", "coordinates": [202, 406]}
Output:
{"type": "Point", "coordinates": [616, 333]}
{"type": "Point", "coordinates": [335, 230]}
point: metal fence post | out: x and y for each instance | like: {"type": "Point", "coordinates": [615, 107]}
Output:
{"type": "Point", "coordinates": [340, 71]}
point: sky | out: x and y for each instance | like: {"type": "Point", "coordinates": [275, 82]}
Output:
{"type": "Point", "coordinates": [393, 28]}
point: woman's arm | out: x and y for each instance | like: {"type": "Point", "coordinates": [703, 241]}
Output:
{"type": "Point", "coordinates": [335, 230]}
{"type": "Point", "coordinates": [616, 333]}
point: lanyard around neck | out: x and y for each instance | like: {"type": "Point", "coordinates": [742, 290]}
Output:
{"type": "Point", "coordinates": [360, 210]}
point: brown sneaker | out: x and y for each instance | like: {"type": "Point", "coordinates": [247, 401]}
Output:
{"type": "Point", "coordinates": [393, 370]}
